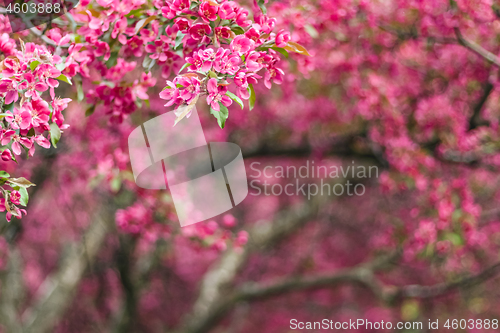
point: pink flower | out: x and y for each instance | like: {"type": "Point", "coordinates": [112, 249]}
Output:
{"type": "Point", "coordinates": [226, 62]}
{"type": "Point", "coordinates": [56, 36]}
{"type": "Point", "coordinates": [275, 75]}
{"type": "Point", "coordinates": [199, 30]}
{"type": "Point", "coordinates": [201, 60]}
{"type": "Point", "coordinates": [241, 44]}
{"type": "Point", "coordinates": [102, 49]}
{"type": "Point", "coordinates": [39, 110]}
{"type": "Point", "coordinates": [12, 66]}
{"type": "Point", "coordinates": [21, 119]}
{"type": "Point", "coordinates": [149, 35]}
{"type": "Point", "coordinates": [267, 24]}
{"type": "Point", "coordinates": [227, 10]}
{"type": "Point", "coordinates": [17, 141]}
{"type": "Point", "coordinates": [196, 62]}
{"type": "Point", "coordinates": [241, 18]}
{"type": "Point", "coordinates": [6, 155]}
{"type": "Point", "coordinates": [208, 11]}
{"type": "Point", "coordinates": [223, 32]}
{"type": "Point", "coordinates": [58, 105]}
{"type": "Point", "coordinates": [15, 196]}
{"type": "Point", "coordinates": [158, 49]}
{"type": "Point", "coordinates": [217, 94]}
{"type": "Point", "coordinates": [191, 85]}
{"type": "Point", "coordinates": [9, 87]}
{"type": "Point", "coordinates": [254, 35]}
{"type": "Point", "coordinates": [255, 60]}
{"type": "Point", "coordinates": [282, 38]}
{"type": "Point", "coordinates": [135, 46]}
{"type": "Point", "coordinates": [181, 5]}
{"type": "Point", "coordinates": [183, 25]}
{"type": "Point", "coordinates": [121, 30]}
{"type": "Point", "coordinates": [42, 141]}
{"type": "Point", "coordinates": [32, 86]}
{"type": "Point", "coordinates": [241, 80]}
{"type": "Point", "coordinates": [171, 94]}
{"type": "Point", "coordinates": [172, 63]}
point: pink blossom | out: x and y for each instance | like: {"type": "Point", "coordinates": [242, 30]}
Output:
{"type": "Point", "coordinates": [183, 24]}
{"type": "Point", "coordinates": [191, 85]}
{"type": "Point", "coordinates": [134, 46]}
{"type": "Point", "coordinates": [121, 30]}
{"type": "Point", "coordinates": [241, 80]}
{"type": "Point", "coordinates": [274, 75]}
{"type": "Point", "coordinates": [241, 44]}
{"type": "Point", "coordinates": [226, 62]}
{"type": "Point", "coordinates": [9, 87]}
{"type": "Point", "coordinates": [15, 196]}
{"type": "Point", "coordinates": [227, 10]}
{"type": "Point", "coordinates": [199, 30]}
{"type": "Point", "coordinates": [32, 86]}
{"type": "Point", "coordinates": [216, 94]}
{"type": "Point", "coordinates": [158, 49]}
{"type": "Point", "coordinates": [21, 119]}
{"type": "Point", "coordinates": [241, 18]}
{"type": "Point", "coordinates": [223, 32]}
{"type": "Point", "coordinates": [208, 11]}
{"type": "Point", "coordinates": [102, 49]}
{"type": "Point", "coordinates": [253, 34]}
{"type": "Point", "coordinates": [6, 155]}
{"type": "Point", "coordinates": [39, 110]}
{"type": "Point", "coordinates": [282, 38]}
{"type": "Point", "coordinates": [171, 94]}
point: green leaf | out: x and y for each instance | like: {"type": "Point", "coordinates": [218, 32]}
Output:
{"type": "Point", "coordinates": [148, 63]}
{"type": "Point", "coordinates": [281, 50]}
{"type": "Point", "coordinates": [143, 23]}
{"type": "Point", "coordinates": [262, 7]}
{"type": "Point", "coordinates": [311, 31]}
{"type": "Point", "coordinates": [2, 115]}
{"type": "Point", "coordinates": [135, 12]}
{"type": "Point", "coordinates": [55, 134]}
{"type": "Point", "coordinates": [236, 99]}
{"type": "Point", "coordinates": [186, 65]}
{"type": "Point", "coordinates": [79, 91]}
{"type": "Point", "coordinates": [251, 100]}
{"type": "Point", "coordinates": [115, 184]}
{"type": "Point", "coordinates": [64, 78]}
{"type": "Point", "coordinates": [4, 174]}
{"type": "Point", "coordinates": [221, 115]}
{"type": "Point", "coordinates": [90, 110]}
{"type": "Point", "coordinates": [113, 60]}
{"type": "Point", "coordinates": [21, 182]}
{"type": "Point", "coordinates": [24, 196]}
{"type": "Point", "coordinates": [34, 64]}
{"type": "Point", "coordinates": [9, 107]}
{"type": "Point", "coordinates": [178, 40]}
{"type": "Point", "coordinates": [238, 30]}
{"type": "Point", "coordinates": [297, 48]}
{"type": "Point", "coordinates": [212, 74]}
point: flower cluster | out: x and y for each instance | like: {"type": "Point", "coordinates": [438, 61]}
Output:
{"type": "Point", "coordinates": [27, 119]}
{"type": "Point", "coordinates": [229, 49]}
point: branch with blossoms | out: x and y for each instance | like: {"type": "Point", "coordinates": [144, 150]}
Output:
{"type": "Point", "coordinates": [230, 50]}
{"type": "Point", "coordinates": [27, 118]}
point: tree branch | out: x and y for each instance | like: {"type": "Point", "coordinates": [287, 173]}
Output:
{"type": "Point", "coordinates": [478, 49]}
{"type": "Point", "coordinates": [211, 304]}
{"type": "Point", "coordinates": [475, 120]}
{"type": "Point", "coordinates": [440, 289]}
{"type": "Point", "coordinates": [57, 290]}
